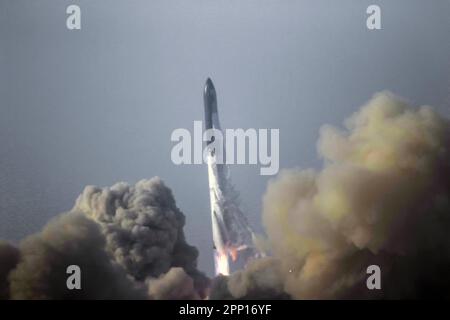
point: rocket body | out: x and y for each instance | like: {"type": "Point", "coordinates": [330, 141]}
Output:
{"type": "Point", "coordinates": [232, 236]}
{"type": "Point", "coordinates": [210, 103]}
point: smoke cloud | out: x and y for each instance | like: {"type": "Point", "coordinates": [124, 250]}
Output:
{"type": "Point", "coordinates": [70, 239]}
{"type": "Point", "coordinates": [261, 279]}
{"type": "Point", "coordinates": [383, 197]}
{"type": "Point", "coordinates": [127, 240]}
{"type": "Point", "coordinates": [9, 257]}
{"type": "Point", "coordinates": [173, 285]}
{"type": "Point", "coordinates": [143, 228]}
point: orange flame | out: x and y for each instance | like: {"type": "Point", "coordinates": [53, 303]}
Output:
{"type": "Point", "coordinates": [233, 254]}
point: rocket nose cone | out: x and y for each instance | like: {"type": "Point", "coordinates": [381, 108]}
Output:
{"type": "Point", "coordinates": [210, 103]}
{"type": "Point", "coordinates": [209, 86]}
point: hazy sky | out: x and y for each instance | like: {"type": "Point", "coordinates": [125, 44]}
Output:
{"type": "Point", "coordinates": [98, 105]}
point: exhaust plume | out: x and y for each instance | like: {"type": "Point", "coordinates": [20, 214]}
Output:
{"type": "Point", "coordinates": [142, 226]}
{"type": "Point", "coordinates": [127, 240]}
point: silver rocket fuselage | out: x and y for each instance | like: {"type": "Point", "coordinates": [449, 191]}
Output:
{"type": "Point", "coordinates": [215, 178]}
{"type": "Point", "coordinates": [231, 232]}
{"type": "Point", "coordinates": [210, 103]}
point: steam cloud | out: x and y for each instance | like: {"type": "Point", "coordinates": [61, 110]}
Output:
{"type": "Point", "coordinates": [127, 240]}
{"type": "Point", "coordinates": [383, 197]}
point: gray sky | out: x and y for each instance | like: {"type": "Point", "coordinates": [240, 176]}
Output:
{"type": "Point", "coordinates": [97, 106]}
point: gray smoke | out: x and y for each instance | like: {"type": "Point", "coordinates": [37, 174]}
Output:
{"type": "Point", "coordinates": [127, 240]}
{"type": "Point", "coordinates": [9, 257]}
{"type": "Point", "coordinates": [383, 197]}
{"type": "Point", "coordinates": [69, 239]}
{"type": "Point", "coordinates": [176, 284]}
{"type": "Point", "coordinates": [261, 279]}
{"type": "Point", "coordinates": [143, 228]}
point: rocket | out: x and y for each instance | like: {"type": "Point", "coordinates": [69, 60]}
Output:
{"type": "Point", "coordinates": [232, 235]}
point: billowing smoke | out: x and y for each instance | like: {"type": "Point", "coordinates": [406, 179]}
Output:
{"type": "Point", "coordinates": [70, 239]}
{"type": "Point", "coordinates": [9, 257]}
{"type": "Point", "coordinates": [143, 228]}
{"type": "Point", "coordinates": [261, 279]}
{"type": "Point", "coordinates": [176, 284]}
{"type": "Point", "coordinates": [127, 240]}
{"type": "Point", "coordinates": [383, 197]}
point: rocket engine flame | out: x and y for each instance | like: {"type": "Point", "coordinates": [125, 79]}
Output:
{"type": "Point", "coordinates": [233, 254]}
{"type": "Point", "coordinates": [222, 264]}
